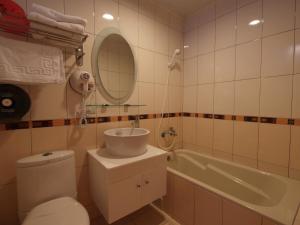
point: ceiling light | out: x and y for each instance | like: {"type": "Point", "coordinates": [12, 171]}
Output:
{"type": "Point", "coordinates": [107, 16]}
{"type": "Point", "coordinates": [254, 22]}
{"type": "Point", "coordinates": [186, 46]}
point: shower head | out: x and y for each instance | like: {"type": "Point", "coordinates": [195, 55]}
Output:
{"type": "Point", "coordinates": [172, 61]}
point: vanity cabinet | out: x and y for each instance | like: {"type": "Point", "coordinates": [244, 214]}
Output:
{"type": "Point", "coordinates": [120, 186]}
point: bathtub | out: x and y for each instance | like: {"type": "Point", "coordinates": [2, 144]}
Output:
{"type": "Point", "coordinates": [271, 197]}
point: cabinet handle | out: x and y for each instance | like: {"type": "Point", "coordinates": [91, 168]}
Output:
{"type": "Point", "coordinates": [138, 185]}
{"type": "Point", "coordinates": [147, 182]}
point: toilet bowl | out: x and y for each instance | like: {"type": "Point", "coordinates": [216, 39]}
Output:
{"type": "Point", "coordinates": [46, 186]}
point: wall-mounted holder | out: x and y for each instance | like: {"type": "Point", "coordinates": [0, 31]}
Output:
{"type": "Point", "coordinates": [14, 103]}
{"type": "Point", "coordinates": [82, 83]}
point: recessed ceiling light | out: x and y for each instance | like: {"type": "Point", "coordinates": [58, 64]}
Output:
{"type": "Point", "coordinates": [107, 16]}
{"type": "Point", "coordinates": [254, 22]}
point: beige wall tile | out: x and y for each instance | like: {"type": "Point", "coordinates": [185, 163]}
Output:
{"type": "Point", "coordinates": [145, 66]}
{"type": "Point", "coordinates": [149, 125]}
{"type": "Point", "coordinates": [8, 206]}
{"type": "Point", "coordinates": [223, 7]}
{"type": "Point", "coordinates": [274, 143]}
{"type": "Point", "coordinates": [272, 168]}
{"type": "Point", "coordinates": [48, 102]}
{"type": "Point", "coordinates": [56, 139]}
{"type": "Point", "coordinates": [242, 3]}
{"type": "Point", "coordinates": [297, 52]}
{"type": "Point", "coordinates": [161, 72]}
{"type": "Point", "coordinates": [234, 214]}
{"type": "Point", "coordinates": [295, 148]}
{"type": "Point", "coordinates": [225, 31]}
{"type": "Point", "coordinates": [162, 15]}
{"type": "Point", "coordinates": [205, 133]}
{"type": "Point", "coordinates": [105, 6]}
{"type": "Point", "coordinates": [207, 13]}
{"type": "Point", "coordinates": [278, 16]}
{"type": "Point", "coordinates": [146, 97]}
{"type": "Point", "coordinates": [161, 38]}
{"type": "Point", "coordinates": [161, 98]}
{"type": "Point", "coordinates": [244, 16]}
{"type": "Point", "coordinates": [277, 54]}
{"type": "Point", "coordinates": [147, 8]}
{"type": "Point", "coordinates": [190, 71]}
{"type": "Point", "coordinates": [247, 97]}
{"type": "Point", "coordinates": [248, 60]}
{"type": "Point", "coordinates": [129, 20]}
{"type": "Point", "coordinates": [132, 4]}
{"type": "Point", "coordinates": [146, 32]}
{"type": "Point", "coordinates": [296, 97]}
{"type": "Point", "coordinates": [223, 135]}
{"type": "Point", "coordinates": [74, 7]}
{"type": "Point", "coordinates": [205, 98]}
{"type": "Point", "coordinates": [206, 38]}
{"type": "Point", "coordinates": [298, 13]}
{"type": "Point", "coordinates": [190, 40]}
{"type": "Point", "coordinates": [245, 139]}
{"type": "Point", "coordinates": [224, 98]}
{"type": "Point", "coordinates": [80, 140]}
{"type": "Point", "coordinates": [189, 130]}
{"type": "Point", "coordinates": [206, 68]}
{"type": "Point", "coordinates": [175, 98]}
{"type": "Point", "coordinates": [183, 203]}
{"type": "Point", "coordinates": [208, 207]}
{"type": "Point", "coordinates": [175, 42]}
{"type": "Point", "coordinates": [225, 65]}
{"type": "Point", "coordinates": [190, 99]}
{"type": "Point", "coordinates": [14, 145]}
{"type": "Point", "coordinates": [279, 88]}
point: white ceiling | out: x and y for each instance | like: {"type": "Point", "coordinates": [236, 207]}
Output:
{"type": "Point", "coordinates": [184, 7]}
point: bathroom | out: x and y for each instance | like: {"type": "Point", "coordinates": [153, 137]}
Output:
{"type": "Point", "coordinates": [213, 79]}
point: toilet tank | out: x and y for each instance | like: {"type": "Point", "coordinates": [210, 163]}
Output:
{"type": "Point", "coordinates": [44, 177]}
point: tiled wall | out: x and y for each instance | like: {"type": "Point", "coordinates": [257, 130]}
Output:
{"type": "Point", "coordinates": [154, 32]}
{"type": "Point", "coordinates": [234, 70]}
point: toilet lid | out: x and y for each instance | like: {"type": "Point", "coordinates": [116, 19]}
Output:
{"type": "Point", "coordinates": [61, 211]}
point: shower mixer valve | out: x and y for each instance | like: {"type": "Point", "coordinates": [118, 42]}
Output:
{"type": "Point", "coordinates": [171, 132]}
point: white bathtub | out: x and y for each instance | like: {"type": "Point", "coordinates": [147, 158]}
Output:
{"type": "Point", "coordinates": [269, 195]}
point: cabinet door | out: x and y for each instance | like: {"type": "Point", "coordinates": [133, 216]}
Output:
{"type": "Point", "coordinates": [154, 185]}
{"type": "Point", "coordinates": [124, 197]}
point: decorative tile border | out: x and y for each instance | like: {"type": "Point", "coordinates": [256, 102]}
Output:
{"type": "Point", "coordinates": [73, 121]}
{"type": "Point", "coordinates": [253, 119]}
{"type": "Point", "coordinates": [107, 119]}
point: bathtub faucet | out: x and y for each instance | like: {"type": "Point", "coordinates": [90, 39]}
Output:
{"type": "Point", "coordinates": [171, 131]}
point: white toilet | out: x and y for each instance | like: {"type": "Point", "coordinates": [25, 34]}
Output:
{"type": "Point", "coordinates": [47, 190]}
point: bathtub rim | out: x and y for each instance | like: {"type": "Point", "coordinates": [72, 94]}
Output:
{"type": "Point", "coordinates": [274, 213]}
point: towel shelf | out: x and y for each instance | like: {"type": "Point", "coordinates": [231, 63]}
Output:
{"type": "Point", "coordinates": [45, 34]}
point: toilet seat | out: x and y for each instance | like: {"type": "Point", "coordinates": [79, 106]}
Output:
{"type": "Point", "coordinates": [60, 211]}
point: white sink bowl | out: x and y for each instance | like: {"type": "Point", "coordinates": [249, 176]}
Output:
{"type": "Point", "coordinates": [126, 142]}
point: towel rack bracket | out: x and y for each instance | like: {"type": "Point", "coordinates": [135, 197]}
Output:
{"type": "Point", "coordinates": [79, 56]}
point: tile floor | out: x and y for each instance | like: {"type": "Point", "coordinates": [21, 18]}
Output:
{"type": "Point", "coordinates": [145, 216]}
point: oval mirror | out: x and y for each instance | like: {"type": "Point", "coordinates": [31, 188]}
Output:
{"type": "Point", "coordinates": [114, 66]}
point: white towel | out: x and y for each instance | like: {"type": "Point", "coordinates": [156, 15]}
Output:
{"type": "Point", "coordinates": [57, 16]}
{"type": "Point", "coordinates": [76, 28]}
{"type": "Point", "coordinates": [27, 63]}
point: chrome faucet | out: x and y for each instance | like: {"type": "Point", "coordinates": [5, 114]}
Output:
{"type": "Point", "coordinates": [136, 122]}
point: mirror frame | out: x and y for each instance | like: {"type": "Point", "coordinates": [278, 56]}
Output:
{"type": "Point", "coordinates": [99, 38]}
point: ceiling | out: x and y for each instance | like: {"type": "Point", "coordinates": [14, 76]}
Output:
{"type": "Point", "coordinates": [184, 7]}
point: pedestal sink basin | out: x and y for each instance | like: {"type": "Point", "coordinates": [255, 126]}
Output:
{"type": "Point", "coordinates": [126, 142]}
